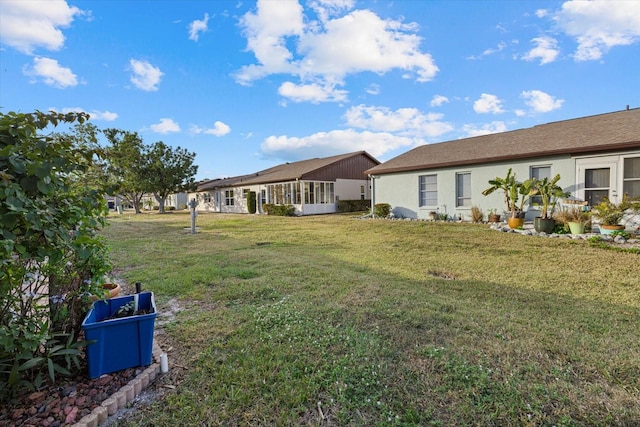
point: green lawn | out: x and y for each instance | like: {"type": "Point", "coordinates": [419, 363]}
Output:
{"type": "Point", "coordinates": [331, 320]}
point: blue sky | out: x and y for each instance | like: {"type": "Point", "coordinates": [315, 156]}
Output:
{"type": "Point", "coordinates": [251, 84]}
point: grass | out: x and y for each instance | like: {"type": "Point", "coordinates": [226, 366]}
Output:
{"type": "Point", "coordinates": [330, 320]}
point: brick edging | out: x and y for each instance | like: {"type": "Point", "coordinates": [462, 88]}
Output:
{"type": "Point", "coordinates": [126, 394]}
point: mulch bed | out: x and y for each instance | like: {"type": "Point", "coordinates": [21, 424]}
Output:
{"type": "Point", "coordinates": [65, 402]}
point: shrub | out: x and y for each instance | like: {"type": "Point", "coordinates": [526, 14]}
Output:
{"type": "Point", "coordinates": [51, 259]}
{"type": "Point", "coordinates": [251, 202]}
{"type": "Point", "coordinates": [382, 210]}
{"type": "Point", "coordinates": [354, 205]}
{"type": "Point", "coordinates": [476, 214]}
{"type": "Point", "coordinates": [279, 210]}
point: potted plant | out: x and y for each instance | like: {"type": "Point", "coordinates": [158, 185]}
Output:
{"type": "Point", "coordinates": [493, 216]}
{"type": "Point", "coordinates": [516, 195]}
{"type": "Point", "coordinates": [610, 214]}
{"type": "Point", "coordinates": [574, 219]}
{"type": "Point", "coordinates": [549, 192]}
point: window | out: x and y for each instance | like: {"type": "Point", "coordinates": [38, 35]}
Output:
{"type": "Point", "coordinates": [539, 172]}
{"type": "Point", "coordinates": [228, 198]}
{"type": "Point", "coordinates": [207, 197]}
{"type": "Point", "coordinates": [631, 177]}
{"type": "Point", "coordinates": [428, 190]}
{"type": "Point", "coordinates": [463, 189]}
{"type": "Point", "coordinates": [245, 191]}
{"type": "Point", "coordinates": [319, 192]}
{"type": "Point", "coordinates": [597, 184]}
{"type": "Point", "coordinates": [310, 195]}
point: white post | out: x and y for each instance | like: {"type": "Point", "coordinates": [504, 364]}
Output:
{"type": "Point", "coordinates": [192, 205]}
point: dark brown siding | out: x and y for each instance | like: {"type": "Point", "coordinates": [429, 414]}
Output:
{"type": "Point", "coordinates": [350, 168]}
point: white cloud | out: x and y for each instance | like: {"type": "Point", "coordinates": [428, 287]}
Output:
{"type": "Point", "coordinates": [541, 102]}
{"type": "Point", "coordinates": [488, 104]}
{"type": "Point", "coordinates": [322, 57]}
{"type": "Point", "coordinates": [438, 100]}
{"type": "Point", "coordinates": [266, 33]}
{"type": "Point", "coordinates": [165, 126]}
{"type": "Point", "coordinates": [197, 27]}
{"type": "Point", "coordinates": [27, 25]}
{"type": "Point", "coordinates": [106, 116]}
{"type": "Point", "coordinates": [373, 89]}
{"type": "Point", "coordinates": [541, 13]}
{"type": "Point", "coordinates": [501, 46]}
{"type": "Point", "coordinates": [403, 121]}
{"type": "Point", "coordinates": [484, 129]}
{"type": "Point", "coordinates": [219, 129]}
{"type": "Point", "coordinates": [546, 50]}
{"type": "Point", "coordinates": [145, 76]}
{"type": "Point", "coordinates": [598, 26]}
{"type": "Point", "coordinates": [51, 73]}
{"type": "Point", "coordinates": [324, 144]}
{"type": "Point", "coordinates": [487, 52]}
{"type": "Point", "coordinates": [311, 92]}
{"type": "Point", "coordinates": [327, 8]}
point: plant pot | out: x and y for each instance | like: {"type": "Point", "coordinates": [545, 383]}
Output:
{"type": "Point", "coordinates": [576, 227]}
{"type": "Point", "coordinates": [111, 290]}
{"type": "Point", "coordinates": [546, 225]}
{"type": "Point", "coordinates": [515, 222]}
{"type": "Point", "coordinates": [494, 218]}
{"type": "Point", "coordinates": [608, 229]}
{"type": "Point", "coordinates": [119, 343]}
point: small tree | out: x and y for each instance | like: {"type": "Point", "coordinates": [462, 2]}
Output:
{"type": "Point", "coordinates": [251, 202]}
{"type": "Point", "coordinates": [168, 170]}
{"type": "Point", "coordinates": [125, 168]}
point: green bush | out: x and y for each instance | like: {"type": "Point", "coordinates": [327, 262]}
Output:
{"type": "Point", "coordinates": [279, 210]}
{"type": "Point", "coordinates": [354, 205]}
{"type": "Point", "coordinates": [51, 259]}
{"type": "Point", "coordinates": [169, 208]}
{"type": "Point", "coordinates": [251, 202]}
{"type": "Point", "coordinates": [381, 210]}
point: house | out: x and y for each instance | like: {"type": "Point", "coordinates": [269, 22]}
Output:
{"type": "Point", "coordinates": [174, 201]}
{"type": "Point", "coordinates": [596, 156]}
{"type": "Point", "coordinates": [312, 186]}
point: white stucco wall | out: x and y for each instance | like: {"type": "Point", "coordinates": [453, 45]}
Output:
{"type": "Point", "coordinates": [350, 189]}
{"type": "Point", "coordinates": [401, 190]}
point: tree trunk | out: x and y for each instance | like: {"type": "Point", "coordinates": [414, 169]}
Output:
{"type": "Point", "coordinates": [161, 202]}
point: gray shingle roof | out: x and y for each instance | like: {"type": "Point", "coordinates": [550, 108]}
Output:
{"type": "Point", "coordinates": [611, 131]}
{"type": "Point", "coordinates": [283, 172]}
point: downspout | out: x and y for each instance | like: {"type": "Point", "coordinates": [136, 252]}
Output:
{"type": "Point", "coordinates": [373, 193]}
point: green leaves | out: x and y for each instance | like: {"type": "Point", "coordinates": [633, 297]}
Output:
{"type": "Point", "coordinates": [50, 216]}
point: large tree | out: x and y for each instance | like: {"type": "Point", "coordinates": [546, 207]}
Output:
{"type": "Point", "coordinates": [126, 165]}
{"type": "Point", "coordinates": [169, 170]}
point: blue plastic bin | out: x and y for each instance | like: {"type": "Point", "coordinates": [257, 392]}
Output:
{"type": "Point", "coordinates": [121, 343]}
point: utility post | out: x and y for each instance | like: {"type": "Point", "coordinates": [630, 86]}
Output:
{"type": "Point", "coordinates": [192, 205]}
